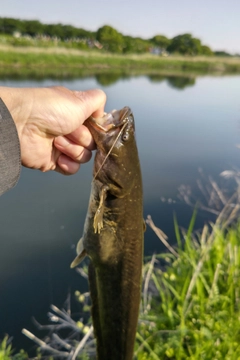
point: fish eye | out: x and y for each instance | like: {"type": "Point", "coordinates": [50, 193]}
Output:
{"type": "Point", "coordinates": [125, 136]}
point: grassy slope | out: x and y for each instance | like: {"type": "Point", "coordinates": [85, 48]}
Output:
{"type": "Point", "coordinates": [195, 312]}
{"type": "Point", "coordinates": [57, 60]}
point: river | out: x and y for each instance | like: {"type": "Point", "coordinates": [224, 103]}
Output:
{"type": "Point", "coordinates": [182, 124]}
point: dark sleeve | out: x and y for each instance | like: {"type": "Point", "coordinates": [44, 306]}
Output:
{"type": "Point", "coordinates": [10, 157]}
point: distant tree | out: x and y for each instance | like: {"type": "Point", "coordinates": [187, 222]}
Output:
{"type": "Point", "coordinates": [32, 27]}
{"type": "Point", "coordinates": [69, 31]}
{"type": "Point", "coordinates": [81, 33]}
{"type": "Point", "coordinates": [54, 30]}
{"type": "Point", "coordinates": [9, 26]}
{"type": "Point", "coordinates": [128, 44]}
{"type": "Point", "coordinates": [185, 44]}
{"type": "Point", "coordinates": [110, 38]}
{"type": "Point", "coordinates": [205, 50]}
{"type": "Point", "coordinates": [161, 41]}
{"type": "Point", "coordinates": [221, 53]}
{"type": "Point", "coordinates": [135, 45]}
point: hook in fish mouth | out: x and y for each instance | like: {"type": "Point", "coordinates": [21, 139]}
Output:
{"type": "Point", "coordinates": [113, 119]}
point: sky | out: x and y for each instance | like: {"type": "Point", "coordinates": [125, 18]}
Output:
{"type": "Point", "coordinates": [215, 22]}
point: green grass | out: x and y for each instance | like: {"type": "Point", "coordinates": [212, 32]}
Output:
{"type": "Point", "coordinates": [7, 352]}
{"type": "Point", "coordinates": [36, 58]}
{"type": "Point", "coordinates": [194, 313]}
{"type": "Point", "coordinates": [5, 349]}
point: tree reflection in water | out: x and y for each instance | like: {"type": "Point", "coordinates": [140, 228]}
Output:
{"type": "Point", "coordinates": [178, 82]}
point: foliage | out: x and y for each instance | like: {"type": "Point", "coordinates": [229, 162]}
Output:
{"type": "Point", "coordinates": [135, 45]}
{"type": "Point", "coordinates": [193, 312]}
{"type": "Point", "coordinates": [110, 38]}
{"type": "Point", "coordinates": [7, 353]}
{"type": "Point", "coordinates": [161, 41]}
{"type": "Point", "coordinates": [187, 45]}
{"type": "Point", "coordinates": [10, 25]}
{"type": "Point", "coordinates": [34, 28]}
{"type": "Point", "coordinates": [5, 349]}
{"type": "Point", "coordinates": [221, 53]}
{"type": "Point", "coordinates": [205, 50]}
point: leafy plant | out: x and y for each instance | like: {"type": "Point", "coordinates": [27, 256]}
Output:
{"type": "Point", "coordinates": [7, 352]}
{"type": "Point", "coordinates": [193, 310]}
{"type": "Point", "coordinates": [5, 349]}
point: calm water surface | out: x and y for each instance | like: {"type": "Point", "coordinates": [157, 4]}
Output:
{"type": "Point", "coordinates": [181, 125]}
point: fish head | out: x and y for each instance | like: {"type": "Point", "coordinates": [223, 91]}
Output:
{"type": "Point", "coordinates": [116, 160]}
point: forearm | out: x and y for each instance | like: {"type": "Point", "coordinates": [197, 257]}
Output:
{"type": "Point", "coordinates": [18, 101]}
{"type": "Point", "coordinates": [10, 157]}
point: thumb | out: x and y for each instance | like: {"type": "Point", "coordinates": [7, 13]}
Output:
{"type": "Point", "coordinates": [92, 102]}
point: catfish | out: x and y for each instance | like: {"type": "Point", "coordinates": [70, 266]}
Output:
{"type": "Point", "coordinates": [113, 235]}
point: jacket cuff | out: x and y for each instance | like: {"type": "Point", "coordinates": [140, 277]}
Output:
{"type": "Point", "coordinates": [10, 154]}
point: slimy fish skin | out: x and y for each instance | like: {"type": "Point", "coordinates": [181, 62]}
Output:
{"type": "Point", "coordinates": [113, 235]}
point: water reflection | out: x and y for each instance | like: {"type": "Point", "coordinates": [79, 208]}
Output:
{"type": "Point", "coordinates": [103, 78]}
{"type": "Point", "coordinates": [157, 78]}
{"type": "Point", "coordinates": [178, 82]}
{"type": "Point", "coordinates": [109, 78]}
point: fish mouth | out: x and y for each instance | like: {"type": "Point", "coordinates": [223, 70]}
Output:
{"type": "Point", "coordinates": [113, 119]}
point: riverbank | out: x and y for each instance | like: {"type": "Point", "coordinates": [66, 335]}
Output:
{"type": "Point", "coordinates": [63, 62]}
{"type": "Point", "coordinates": [190, 302]}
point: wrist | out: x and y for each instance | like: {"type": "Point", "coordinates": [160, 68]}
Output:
{"type": "Point", "coordinates": [14, 100]}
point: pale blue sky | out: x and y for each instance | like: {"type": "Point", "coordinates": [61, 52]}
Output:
{"type": "Point", "coordinates": [215, 22]}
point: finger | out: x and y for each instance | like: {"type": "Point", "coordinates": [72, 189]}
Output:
{"type": "Point", "coordinates": [92, 102]}
{"type": "Point", "coordinates": [66, 166]}
{"type": "Point", "coordinates": [83, 137]}
{"type": "Point", "coordinates": [74, 151]}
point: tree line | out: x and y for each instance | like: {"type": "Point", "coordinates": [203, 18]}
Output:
{"type": "Point", "coordinates": [109, 38]}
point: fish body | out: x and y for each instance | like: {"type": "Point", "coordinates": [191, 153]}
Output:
{"type": "Point", "coordinates": [113, 235]}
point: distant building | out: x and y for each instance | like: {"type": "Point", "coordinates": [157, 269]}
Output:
{"type": "Point", "coordinates": [94, 43]}
{"type": "Point", "coordinates": [156, 50]}
{"type": "Point", "coordinates": [17, 34]}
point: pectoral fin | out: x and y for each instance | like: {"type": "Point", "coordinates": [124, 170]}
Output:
{"type": "Point", "coordinates": [81, 254]}
{"type": "Point", "coordinates": [98, 218]}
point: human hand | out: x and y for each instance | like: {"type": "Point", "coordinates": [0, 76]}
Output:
{"type": "Point", "coordinates": [49, 124]}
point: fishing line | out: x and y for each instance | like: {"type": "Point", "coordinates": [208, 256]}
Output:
{"type": "Point", "coordinates": [109, 152]}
